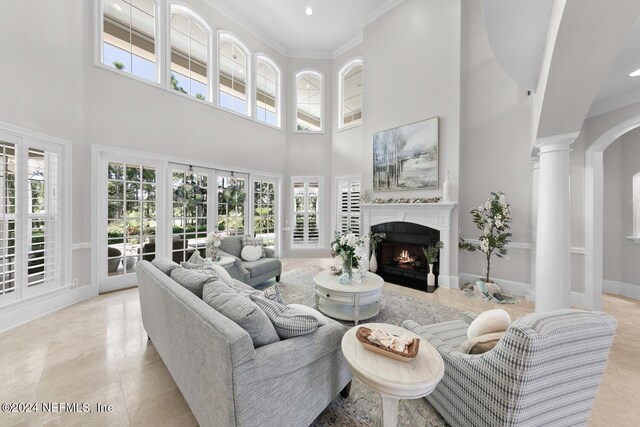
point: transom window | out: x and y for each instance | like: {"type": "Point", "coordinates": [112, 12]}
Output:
{"type": "Point", "coordinates": [189, 54]}
{"type": "Point", "coordinates": [129, 37]}
{"type": "Point", "coordinates": [350, 101]}
{"type": "Point", "coordinates": [309, 101]}
{"type": "Point", "coordinates": [233, 75]}
{"type": "Point", "coordinates": [267, 91]}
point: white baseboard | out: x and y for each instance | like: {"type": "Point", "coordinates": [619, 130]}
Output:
{"type": "Point", "coordinates": [25, 311]}
{"type": "Point", "coordinates": [620, 288]}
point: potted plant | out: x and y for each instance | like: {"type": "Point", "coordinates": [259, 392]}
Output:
{"type": "Point", "coordinates": [493, 218]}
{"type": "Point", "coordinates": [112, 262]}
{"type": "Point", "coordinates": [347, 246]}
{"type": "Point", "coordinates": [431, 252]}
{"type": "Point", "coordinates": [374, 241]}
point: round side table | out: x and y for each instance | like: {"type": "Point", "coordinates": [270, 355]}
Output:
{"type": "Point", "coordinates": [394, 380]}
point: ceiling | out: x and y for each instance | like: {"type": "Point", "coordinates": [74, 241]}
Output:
{"type": "Point", "coordinates": [618, 89]}
{"type": "Point", "coordinates": [283, 24]}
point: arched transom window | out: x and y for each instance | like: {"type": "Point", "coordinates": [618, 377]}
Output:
{"type": "Point", "coordinates": [267, 91]}
{"type": "Point", "coordinates": [350, 101]}
{"type": "Point", "coordinates": [309, 101]}
{"type": "Point", "coordinates": [129, 37]}
{"type": "Point", "coordinates": [234, 69]}
{"type": "Point", "coordinates": [189, 54]}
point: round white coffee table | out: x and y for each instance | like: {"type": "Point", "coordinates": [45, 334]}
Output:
{"type": "Point", "coordinates": [353, 301]}
{"type": "Point", "coordinates": [225, 261]}
{"type": "Point", "coordinates": [394, 380]}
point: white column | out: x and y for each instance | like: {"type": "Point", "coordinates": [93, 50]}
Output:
{"type": "Point", "coordinates": [535, 178]}
{"type": "Point", "coordinates": [553, 238]}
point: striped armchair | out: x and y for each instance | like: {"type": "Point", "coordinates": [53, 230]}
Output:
{"type": "Point", "coordinates": [545, 370]}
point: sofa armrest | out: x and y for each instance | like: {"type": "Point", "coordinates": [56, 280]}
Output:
{"type": "Point", "coordinates": [286, 356]}
{"type": "Point", "coordinates": [237, 270]}
{"type": "Point", "coordinates": [448, 353]}
{"type": "Point", "coordinates": [271, 253]}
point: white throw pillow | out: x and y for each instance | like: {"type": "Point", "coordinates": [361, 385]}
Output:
{"type": "Point", "coordinates": [322, 320]}
{"type": "Point", "coordinates": [496, 320]}
{"type": "Point", "coordinates": [251, 253]}
{"type": "Point", "coordinates": [224, 275]}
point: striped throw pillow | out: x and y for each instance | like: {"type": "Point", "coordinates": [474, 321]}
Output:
{"type": "Point", "coordinates": [288, 321]}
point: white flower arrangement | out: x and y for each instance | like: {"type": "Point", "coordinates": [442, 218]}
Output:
{"type": "Point", "coordinates": [493, 218]}
{"type": "Point", "coordinates": [214, 240]}
{"type": "Point", "coordinates": [348, 247]}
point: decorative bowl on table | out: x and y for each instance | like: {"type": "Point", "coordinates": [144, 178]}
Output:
{"type": "Point", "coordinates": [362, 334]}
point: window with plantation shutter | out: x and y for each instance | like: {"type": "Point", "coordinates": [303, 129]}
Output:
{"type": "Point", "coordinates": [30, 218]}
{"type": "Point", "coordinates": [348, 205]}
{"type": "Point", "coordinates": [306, 211]}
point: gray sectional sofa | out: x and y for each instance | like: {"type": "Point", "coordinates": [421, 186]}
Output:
{"type": "Point", "coordinates": [224, 379]}
{"type": "Point", "coordinates": [250, 272]}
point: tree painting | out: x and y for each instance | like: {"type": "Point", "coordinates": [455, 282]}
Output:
{"type": "Point", "coordinates": [406, 157]}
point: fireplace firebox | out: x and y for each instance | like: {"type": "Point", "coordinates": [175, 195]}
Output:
{"type": "Point", "coordinates": [400, 257]}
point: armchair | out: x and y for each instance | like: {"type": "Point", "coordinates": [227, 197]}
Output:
{"type": "Point", "coordinates": [545, 371]}
{"type": "Point", "coordinates": [250, 272]}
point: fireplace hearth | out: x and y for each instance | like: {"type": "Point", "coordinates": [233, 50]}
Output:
{"type": "Point", "coordinates": [400, 257]}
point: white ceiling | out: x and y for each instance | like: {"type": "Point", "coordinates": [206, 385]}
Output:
{"type": "Point", "coordinates": [334, 24]}
{"type": "Point", "coordinates": [619, 89]}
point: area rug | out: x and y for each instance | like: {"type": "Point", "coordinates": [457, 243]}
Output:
{"type": "Point", "coordinates": [363, 406]}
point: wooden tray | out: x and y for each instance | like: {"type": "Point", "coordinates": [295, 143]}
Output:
{"type": "Point", "coordinates": [362, 335]}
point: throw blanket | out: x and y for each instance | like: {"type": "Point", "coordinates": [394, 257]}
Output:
{"type": "Point", "coordinates": [489, 292]}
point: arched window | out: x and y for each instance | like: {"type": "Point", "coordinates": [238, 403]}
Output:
{"type": "Point", "coordinates": [190, 41]}
{"type": "Point", "coordinates": [233, 75]}
{"type": "Point", "coordinates": [129, 37]}
{"type": "Point", "coordinates": [309, 101]}
{"type": "Point", "coordinates": [636, 205]}
{"type": "Point", "coordinates": [350, 94]}
{"type": "Point", "coordinates": [267, 91]}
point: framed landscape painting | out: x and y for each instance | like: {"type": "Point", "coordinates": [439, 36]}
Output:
{"type": "Point", "coordinates": [406, 157]}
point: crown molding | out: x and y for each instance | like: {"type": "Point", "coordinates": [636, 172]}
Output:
{"type": "Point", "coordinates": [348, 45]}
{"type": "Point", "coordinates": [303, 54]}
{"type": "Point", "coordinates": [380, 11]}
{"type": "Point", "coordinates": [614, 102]}
{"type": "Point", "coordinates": [247, 26]}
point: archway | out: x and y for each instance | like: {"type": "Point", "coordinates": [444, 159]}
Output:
{"type": "Point", "coordinates": [594, 211]}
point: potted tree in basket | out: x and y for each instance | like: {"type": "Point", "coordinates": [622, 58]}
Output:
{"type": "Point", "coordinates": [431, 253]}
{"type": "Point", "coordinates": [493, 218]}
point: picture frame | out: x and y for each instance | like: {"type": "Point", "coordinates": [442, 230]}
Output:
{"type": "Point", "coordinates": [407, 157]}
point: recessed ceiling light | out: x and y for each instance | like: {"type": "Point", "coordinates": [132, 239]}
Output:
{"type": "Point", "coordinates": [117, 7]}
{"type": "Point", "coordinates": [309, 11]}
{"type": "Point", "coordinates": [636, 73]}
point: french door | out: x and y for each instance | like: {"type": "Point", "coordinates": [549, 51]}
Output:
{"type": "Point", "coordinates": [265, 210]}
{"type": "Point", "coordinates": [131, 218]}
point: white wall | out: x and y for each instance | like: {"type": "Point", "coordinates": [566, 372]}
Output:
{"type": "Point", "coordinates": [621, 163]}
{"type": "Point", "coordinates": [412, 73]}
{"type": "Point", "coordinates": [495, 145]}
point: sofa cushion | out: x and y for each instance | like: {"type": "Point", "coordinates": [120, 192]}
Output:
{"type": "Point", "coordinates": [242, 311]}
{"type": "Point", "coordinates": [165, 265]}
{"type": "Point", "coordinates": [254, 241]}
{"type": "Point", "coordinates": [231, 245]}
{"type": "Point", "coordinates": [196, 258]}
{"type": "Point", "coordinates": [496, 320]}
{"type": "Point", "coordinates": [261, 266]}
{"type": "Point", "coordinates": [251, 253]}
{"type": "Point", "coordinates": [193, 280]}
{"type": "Point", "coordinates": [481, 344]}
{"type": "Point", "coordinates": [288, 321]}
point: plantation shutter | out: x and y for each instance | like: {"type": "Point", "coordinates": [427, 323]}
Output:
{"type": "Point", "coordinates": [306, 212]}
{"type": "Point", "coordinates": [348, 192]}
{"type": "Point", "coordinates": [30, 220]}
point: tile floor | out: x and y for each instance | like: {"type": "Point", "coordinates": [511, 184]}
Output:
{"type": "Point", "coordinates": [97, 352]}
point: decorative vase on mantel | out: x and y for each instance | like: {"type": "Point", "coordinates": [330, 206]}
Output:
{"type": "Point", "coordinates": [373, 262]}
{"type": "Point", "coordinates": [446, 189]}
{"type": "Point", "coordinates": [431, 280]}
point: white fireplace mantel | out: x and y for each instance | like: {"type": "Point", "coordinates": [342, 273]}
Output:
{"type": "Point", "coordinates": [432, 215]}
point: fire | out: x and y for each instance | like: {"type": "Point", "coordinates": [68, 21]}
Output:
{"type": "Point", "coordinates": [404, 257]}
